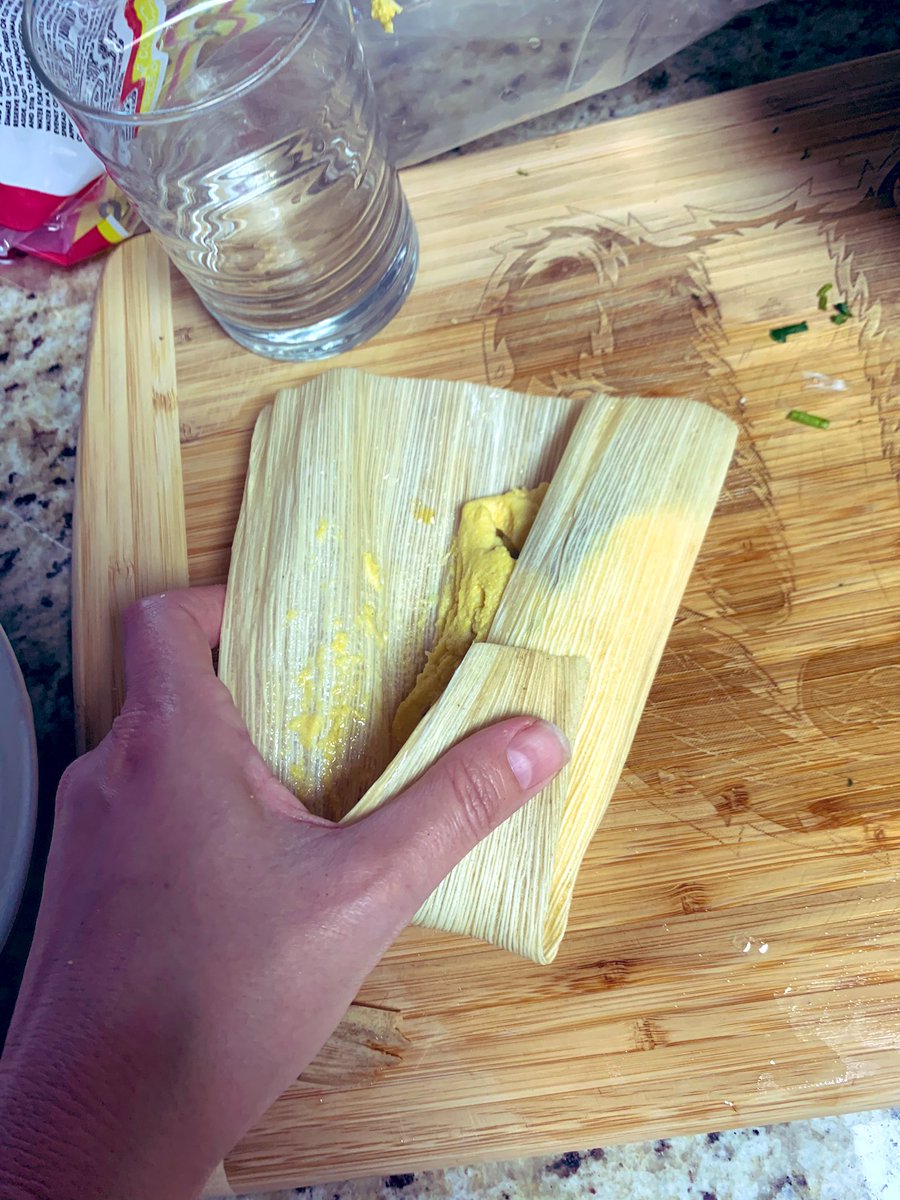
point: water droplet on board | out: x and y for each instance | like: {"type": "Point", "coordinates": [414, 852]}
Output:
{"type": "Point", "coordinates": [534, 43]}
{"type": "Point", "coordinates": [747, 944]}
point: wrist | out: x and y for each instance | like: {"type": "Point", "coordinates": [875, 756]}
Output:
{"type": "Point", "coordinates": [78, 1119]}
{"type": "Point", "coordinates": [41, 1155]}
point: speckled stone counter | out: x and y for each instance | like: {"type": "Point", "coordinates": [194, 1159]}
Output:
{"type": "Point", "coordinates": [850, 1158]}
{"type": "Point", "coordinates": [44, 320]}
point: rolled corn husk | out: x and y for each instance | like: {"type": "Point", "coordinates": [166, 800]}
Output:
{"type": "Point", "coordinates": [334, 589]}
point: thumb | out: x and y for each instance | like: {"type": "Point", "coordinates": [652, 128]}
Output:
{"type": "Point", "coordinates": [168, 640]}
{"type": "Point", "coordinates": [467, 793]}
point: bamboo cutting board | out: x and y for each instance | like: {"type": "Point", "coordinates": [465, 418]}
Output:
{"type": "Point", "coordinates": [734, 948]}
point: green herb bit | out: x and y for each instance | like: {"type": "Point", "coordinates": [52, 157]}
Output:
{"type": "Point", "coordinates": [522, 171]}
{"type": "Point", "coordinates": [805, 418]}
{"type": "Point", "coordinates": [843, 314]}
{"type": "Point", "coordinates": [782, 334]}
{"type": "Point", "coordinates": [822, 296]}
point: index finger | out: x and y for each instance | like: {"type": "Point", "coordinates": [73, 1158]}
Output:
{"type": "Point", "coordinates": [169, 639]}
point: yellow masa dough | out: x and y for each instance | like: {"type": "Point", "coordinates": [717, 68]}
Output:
{"type": "Point", "coordinates": [491, 533]}
{"type": "Point", "coordinates": [384, 11]}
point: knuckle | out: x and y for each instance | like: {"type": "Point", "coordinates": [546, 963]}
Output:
{"type": "Point", "coordinates": [477, 791]}
{"type": "Point", "coordinates": [149, 709]}
{"type": "Point", "coordinates": [135, 749]}
{"type": "Point", "coordinates": [144, 725]}
{"type": "Point", "coordinates": [82, 795]}
{"type": "Point", "coordinates": [69, 782]}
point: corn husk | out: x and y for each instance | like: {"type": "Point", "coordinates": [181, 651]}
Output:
{"type": "Point", "coordinates": [501, 891]}
{"type": "Point", "coordinates": [350, 506]}
{"type": "Point", "coordinates": [354, 488]}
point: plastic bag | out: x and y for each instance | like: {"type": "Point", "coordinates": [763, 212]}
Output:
{"type": "Point", "coordinates": [95, 219]}
{"type": "Point", "coordinates": [455, 70]}
{"type": "Point", "coordinates": [452, 71]}
{"type": "Point", "coordinates": [55, 200]}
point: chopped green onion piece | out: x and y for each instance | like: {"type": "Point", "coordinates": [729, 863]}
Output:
{"type": "Point", "coordinates": [840, 319]}
{"type": "Point", "coordinates": [821, 295]}
{"type": "Point", "coordinates": [843, 309]}
{"type": "Point", "coordinates": [805, 418]}
{"type": "Point", "coordinates": [782, 334]}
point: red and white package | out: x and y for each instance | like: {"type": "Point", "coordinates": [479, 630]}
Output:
{"type": "Point", "coordinates": [56, 200]}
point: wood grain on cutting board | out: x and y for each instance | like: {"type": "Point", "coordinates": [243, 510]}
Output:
{"type": "Point", "coordinates": [734, 947]}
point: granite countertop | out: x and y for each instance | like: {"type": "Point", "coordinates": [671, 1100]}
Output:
{"type": "Point", "coordinates": [44, 320]}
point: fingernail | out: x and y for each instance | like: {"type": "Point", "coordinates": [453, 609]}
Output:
{"type": "Point", "coordinates": [537, 753]}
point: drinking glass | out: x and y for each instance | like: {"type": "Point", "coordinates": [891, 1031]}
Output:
{"type": "Point", "coordinates": [246, 134]}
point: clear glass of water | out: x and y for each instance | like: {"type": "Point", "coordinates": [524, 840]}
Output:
{"type": "Point", "coordinates": [246, 134]}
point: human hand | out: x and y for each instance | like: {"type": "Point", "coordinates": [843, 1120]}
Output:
{"type": "Point", "coordinates": [200, 934]}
